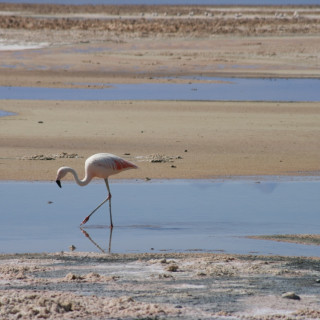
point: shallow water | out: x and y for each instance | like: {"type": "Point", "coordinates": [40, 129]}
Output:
{"type": "Point", "coordinates": [160, 216]}
{"type": "Point", "coordinates": [227, 89]}
{"type": "Point", "coordinates": [6, 113]}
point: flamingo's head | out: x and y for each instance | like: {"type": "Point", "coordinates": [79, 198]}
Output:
{"type": "Point", "coordinates": [60, 174]}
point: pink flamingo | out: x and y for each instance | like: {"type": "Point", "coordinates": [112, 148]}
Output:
{"type": "Point", "coordinates": [100, 165]}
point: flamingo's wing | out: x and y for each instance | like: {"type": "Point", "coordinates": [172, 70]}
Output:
{"type": "Point", "coordinates": [103, 165]}
{"type": "Point", "coordinates": [121, 164]}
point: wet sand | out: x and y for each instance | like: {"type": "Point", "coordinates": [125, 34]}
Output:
{"type": "Point", "coordinates": [87, 46]}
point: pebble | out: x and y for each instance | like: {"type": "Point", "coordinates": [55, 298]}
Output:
{"type": "Point", "coordinates": [290, 295]}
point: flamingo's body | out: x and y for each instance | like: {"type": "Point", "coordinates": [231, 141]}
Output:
{"type": "Point", "coordinates": [100, 165]}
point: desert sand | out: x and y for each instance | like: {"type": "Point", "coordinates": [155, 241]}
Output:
{"type": "Point", "coordinates": [94, 46]}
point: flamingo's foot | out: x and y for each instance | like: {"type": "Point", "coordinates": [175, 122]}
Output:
{"type": "Point", "coordinates": [85, 220]}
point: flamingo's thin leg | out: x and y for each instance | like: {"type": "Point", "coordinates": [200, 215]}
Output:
{"type": "Point", "coordinates": [109, 197]}
{"type": "Point", "coordinates": [110, 239]}
{"type": "Point", "coordinates": [88, 217]}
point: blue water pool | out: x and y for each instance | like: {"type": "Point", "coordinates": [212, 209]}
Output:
{"type": "Point", "coordinates": [160, 216]}
{"type": "Point", "coordinates": [224, 89]}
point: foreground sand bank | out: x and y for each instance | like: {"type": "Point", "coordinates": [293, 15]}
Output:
{"type": "Point", "coordinates": [190, 139]}
{"type": "Point", "coordinates": [158, 286]}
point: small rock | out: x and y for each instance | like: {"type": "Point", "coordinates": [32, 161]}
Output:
{"type": "Point", "coordinates": [165, 276]}
{"type": "Point", "coordinates": [147, 179]}
{"type": "Point", "coordinates": [173, 166]}
{"type": "Point", "coordinates": [318, 281]}
{"type": "Point", "coordinates": [290, 295]}
{"type": "Point", "coordinates": [40, 121]}
{"type": "Point", "coordinates": [71, 276]}
{"type": "Point", "coordinates": [173, 268]}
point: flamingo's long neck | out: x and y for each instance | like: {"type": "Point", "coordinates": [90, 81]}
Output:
{"type": "Point", "coordinates": [83, 182]}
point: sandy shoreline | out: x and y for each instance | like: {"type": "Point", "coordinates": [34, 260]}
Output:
{"type": "Point", "coordinates": [89, 47]}
{"type": "Point", "coordinates": [193, 140]}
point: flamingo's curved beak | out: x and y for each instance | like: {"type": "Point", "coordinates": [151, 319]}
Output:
{"type": "Point", "coordinates": [58, 183]}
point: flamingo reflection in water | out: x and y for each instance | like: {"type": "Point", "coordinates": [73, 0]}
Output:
{"type": "Point", "coordinates": [100, 165]}
{"type": "Point", "coordinates": [95, 243]}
